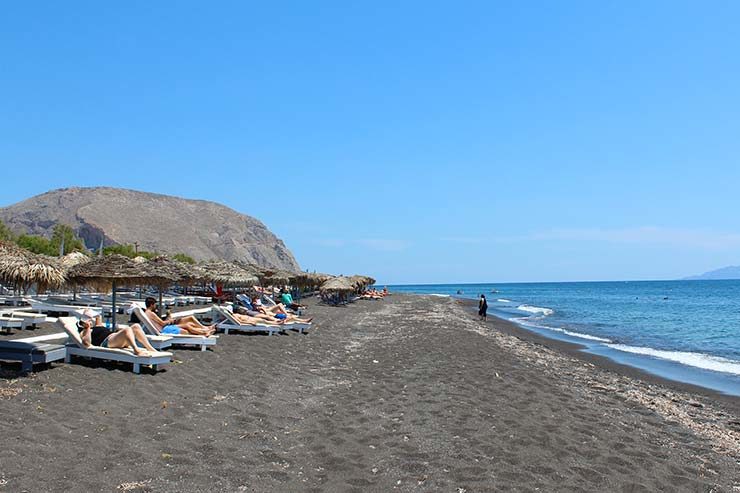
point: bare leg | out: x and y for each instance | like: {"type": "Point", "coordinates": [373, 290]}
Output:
{"type": "Point", "coordinates": [141, 337]}
{"type": "Point", "coordinates": [124, 338]}
{"type": "Point", "coordinates": [189, 328]}
{"type": "Point", "coordinates": [279, 308]}
{"type": "Point", "coordinates": [246, 319]}
{"type": "Point", "coordinates": [191, 320]}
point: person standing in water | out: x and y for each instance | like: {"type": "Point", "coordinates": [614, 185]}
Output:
{"type": "Point", "coordinates": [483, 307]}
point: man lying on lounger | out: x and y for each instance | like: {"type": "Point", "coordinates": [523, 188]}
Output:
{"type": "Point", "coordinates": [94, 333]}
{"type": "Point", "coordinates": [278, 311]}
{"type": "Point", "coordinates": [255, 318]}
{"type": "Point", "coordinates": [185, 325]}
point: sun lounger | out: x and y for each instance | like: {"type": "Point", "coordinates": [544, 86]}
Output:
{"type": "Point", "coordinates": [176, 339]}
{"type": "Point", "coordinates": [193, 311]}
{"type": "Point", "coordinates": [27, 319]}
{"type": "Point", "coordinates": [7, 323]}
{"type": "Point", "coordinates": [50, 307]}
{"type": "Point", "coordinates": [75, 347]}
{"type": "Point", "coordinates": [29, 353]}
{"type": "Point", "coordinates": [231, 323]}
{"type": "Point", "coordinates": [246, 302]}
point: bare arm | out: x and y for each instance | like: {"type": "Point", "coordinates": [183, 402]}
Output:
{"type": "Point", "coordinates": [155, 318]}
{"type": "Point", "coordinates": [85, 336]}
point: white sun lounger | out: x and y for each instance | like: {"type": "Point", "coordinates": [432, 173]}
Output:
{"type": "Point", "coordinates": [176, 339]}
{"type": "Point", "coordinates": [231, 323]}
{"type": "Point", "coordinates": [157, 341]}
{"type": "Point", "coordinates": [299, 326]}
{"type": "Point", "coordinates": [48, 307]}
{"type": "Point", "coordinates": [75, 347]}
{"type": "Point", "coordinates": [27, 319]}
{"type": "Point", "coordinates": [29, 353]}
{"type": "Point", "coordinates": [7, 323]}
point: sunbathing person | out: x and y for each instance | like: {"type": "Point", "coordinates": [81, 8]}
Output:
{"type": "Point", "coordinates": [287, 301]}
{"type": "Point", "coordinates": [371, 294]}
{"type": "Point", "coordinates": [94, 333]}
{"type": "Point", "coordinates": [250, 320]}
{"type": "Point", "coordinates": [184, 325]}
{"type": "Point", "coordinates": [278, 311]}
{"type": "Point", "coordinates": [251, 312]}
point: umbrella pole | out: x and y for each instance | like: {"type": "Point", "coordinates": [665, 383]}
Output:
{"type": "Point", "coordinates": [159, 307]}
{"type": "Point", "coordinates": [113, 310]}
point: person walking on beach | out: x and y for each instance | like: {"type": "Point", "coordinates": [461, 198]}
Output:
{"type": "Point", "coordinates": [482, 307]}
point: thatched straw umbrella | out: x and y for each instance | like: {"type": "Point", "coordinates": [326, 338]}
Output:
{"type": "Point", "coordinates": [362, 282]}
{"type": "Point", "coordinates": [277, 277]}
{"type": "Point", "coordinates": [338, 284]}
{"type": "Point", "coordinates": [71, 260]}
{"type": "Point", "coordinates": [227, 274]}
{"type": "Point", "coordinates": [365, 281]}
{"type": "Point", "coordinates": [253, 269]}
{"type": "Point", "coordinates": [23, 268]}
{"type": "Point", "coordinates": [108, 271]}
{"type": "Point", "coordinates": [170, 271]}
{"type": "Point", "coordinates": [310, 279]}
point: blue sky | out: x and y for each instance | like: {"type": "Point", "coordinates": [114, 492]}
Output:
{"type": "Point", "coordinates": [415, 141]}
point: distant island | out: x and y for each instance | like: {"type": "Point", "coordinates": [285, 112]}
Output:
{"type": "Point", "coordinates": [730, 272]}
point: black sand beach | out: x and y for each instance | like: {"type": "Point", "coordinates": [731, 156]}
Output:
{"type": "Point", "coordinates": [409, 393]}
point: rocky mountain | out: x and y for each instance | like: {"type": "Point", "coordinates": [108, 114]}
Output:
{"type": "Point", "coordinates": [730, 272]}
{"type": "Point", "coordinates": [204, 230]}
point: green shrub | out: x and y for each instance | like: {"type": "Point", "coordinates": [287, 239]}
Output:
{"type": "Point", "coordinates": [5, 233]}
{"type": "Point", "coordinates": [181, 257]}
{"type": "Point", "coordinates": [128, 251]}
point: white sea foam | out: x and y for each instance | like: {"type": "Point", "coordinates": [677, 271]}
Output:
{"type": "Point", "coordinates": [585, 336]}
{"type": "Point", "coordinates": [526, 321]}
{"type": "Point", "coordinates": [537, 310]}
{"type": "Point", "coordinates": [698, 360]}
{"type": "Point", "coordinates": [440, 295]}
{"type": "Point", "coordinates": [503, 300]}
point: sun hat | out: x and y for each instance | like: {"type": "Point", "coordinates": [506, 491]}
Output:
{"type": "Point", "coordinates": [89, 314]}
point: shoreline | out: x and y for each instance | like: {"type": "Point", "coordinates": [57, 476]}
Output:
{"type": "Point", "coordinates": [577, 351]}
{"type": "Point", "coordinates": [408, 393]}
{"type": "Point", "coordinates": [671, 329]}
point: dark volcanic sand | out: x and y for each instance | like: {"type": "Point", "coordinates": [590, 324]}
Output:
{"type": "Point", "coordinates": [409, 393]}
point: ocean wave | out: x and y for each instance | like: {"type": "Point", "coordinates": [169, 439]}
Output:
{"type": "Point", "coordinates": [526, 321]}
{"type": "Point", "coordinates": [503, 300]}
{"type": "Point", "coordinates": [698, 360]}
{"type": "Point", "coordinates": [440, 295]}
{"type": "Point", "coordinates": [537, 310]}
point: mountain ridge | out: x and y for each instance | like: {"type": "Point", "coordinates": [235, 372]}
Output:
{"type": "Point", "coordinates": [202, 229]}
{"type": "Point", "coordinates": [729, 272]}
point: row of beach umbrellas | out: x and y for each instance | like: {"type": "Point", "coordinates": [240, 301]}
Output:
{"type": "Point", "coordinates": [22, 268]}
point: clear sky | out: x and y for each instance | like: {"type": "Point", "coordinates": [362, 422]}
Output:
{"type": "Point", "coordinates": [417, 141]}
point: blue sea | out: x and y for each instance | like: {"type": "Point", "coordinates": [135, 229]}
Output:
{"type": "Point", "coordinates": [687, 331]}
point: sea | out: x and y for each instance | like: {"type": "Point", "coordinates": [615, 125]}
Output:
{"type": "Point", "coordinates": [687, 331]}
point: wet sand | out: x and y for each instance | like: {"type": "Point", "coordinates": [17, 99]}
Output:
{"type": "Point", "coordinates": [409, 393]}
